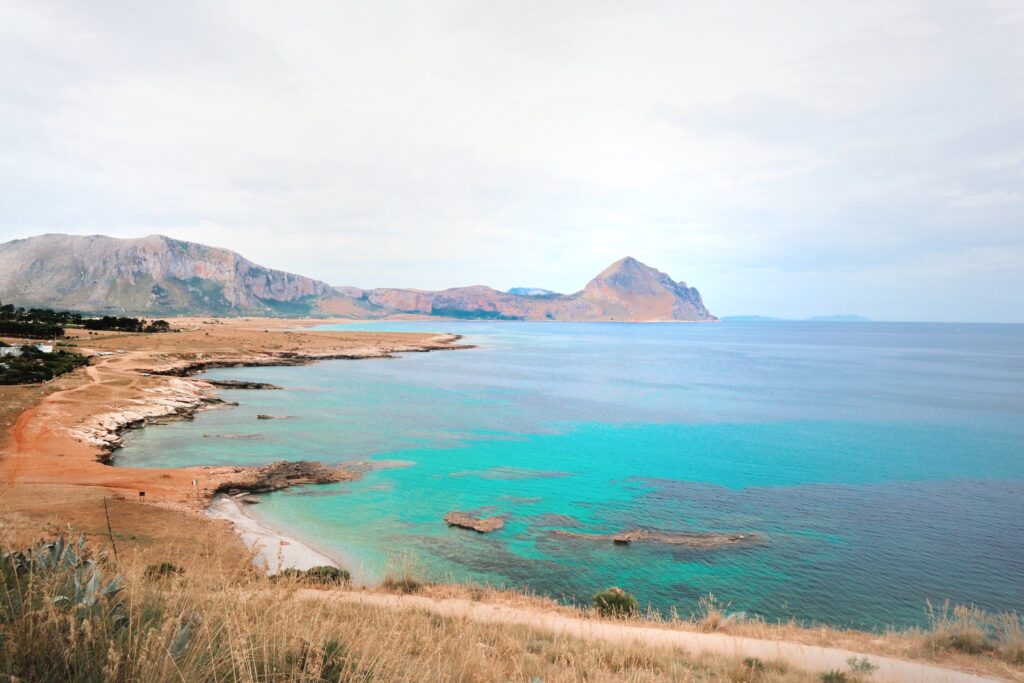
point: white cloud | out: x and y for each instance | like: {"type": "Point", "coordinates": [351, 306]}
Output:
{"type": "Point", "coordinates": [441, 143]}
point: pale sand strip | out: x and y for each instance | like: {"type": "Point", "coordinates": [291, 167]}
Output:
{"type": "Point", "coordinates": [811, 658]}
{"type": "Point", "coordinates": [273, 552]}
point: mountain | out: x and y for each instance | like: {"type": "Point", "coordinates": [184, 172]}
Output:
{"type": "Point", "coordinates": [630, 290]}
{"type": "Point", "coordinates": [157, 275]}
{"type": "Point", "coordinates": [154, 274]}
{"type": "Point", "coordinates": [627, 291]}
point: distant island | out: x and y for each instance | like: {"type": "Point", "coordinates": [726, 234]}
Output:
{"type": "Point", "coordinates": [161, 276]}
{"type": "Point", "coordinates": [840, 319]}
{"type": "Point", "coordinates": [816, 319]}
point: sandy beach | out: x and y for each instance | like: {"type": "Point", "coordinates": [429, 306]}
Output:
{"type": "Point", "coordinates": [272, 551]}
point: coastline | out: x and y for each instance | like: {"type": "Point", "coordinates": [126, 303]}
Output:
{"type": "Point", "coordinates": [271, 551]}
{"type": "Point", "coordinates": [58, 448]}
{"type": "Point", "coordinates": [52, 482]}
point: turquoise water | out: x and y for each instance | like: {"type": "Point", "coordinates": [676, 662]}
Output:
{"type": "Point", "coordinates": [883, 463]}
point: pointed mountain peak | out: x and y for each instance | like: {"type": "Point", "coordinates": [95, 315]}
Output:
{"type": "Point", "coordinates": [628, 270]}
{"type": "Point", "coordinates": [631, 290]}
{"type": "Point", "coordinates": [624, 262]}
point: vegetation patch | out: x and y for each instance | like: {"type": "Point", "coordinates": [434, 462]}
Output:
{"type": "Point", "coordinates": [615, 602]}
{"type": "Point", "coordinates": [35, 323]}
{"type": "Point", "coordinates": [323, 575]}
{"type": "Point", "coordinates": [121, 324]}
{"type": "Point", "coordinates": [974, 631]}
{"type": "Point", "coordinates": [476, 314]}
{"type": "Point", "coordinates": [33, 365]}
{"type": "Point", "coordinates": [162, 570]}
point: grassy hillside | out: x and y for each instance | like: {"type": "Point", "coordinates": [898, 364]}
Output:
{"type": "Point", "coordinates": [69, 614]}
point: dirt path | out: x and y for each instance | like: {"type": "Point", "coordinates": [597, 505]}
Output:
{"type": "Point", "coordinates": [811, 658]}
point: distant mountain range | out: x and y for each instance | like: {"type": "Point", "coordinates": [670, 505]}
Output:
{"type": "Point", "coordinates": [160, 276]}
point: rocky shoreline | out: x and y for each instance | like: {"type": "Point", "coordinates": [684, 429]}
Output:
{"type": "Point", "coordinates": [189, 366]}
{"type": "Point", "coordinates": [281, 475]}
{"type": "Point", "coordinates": [183, 396]}
{"type": "Point", "coordinates": [178, 399]}
{"type": "Point", "coordinates": [239, 384]}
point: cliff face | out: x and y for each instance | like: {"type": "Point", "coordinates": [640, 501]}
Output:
{"type": "Point", "coordinates": [149, 275]}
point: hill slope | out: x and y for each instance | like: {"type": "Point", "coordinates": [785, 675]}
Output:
{"type": "Point", "coordinates": [155, 274]}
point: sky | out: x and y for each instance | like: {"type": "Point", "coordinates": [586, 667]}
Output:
{"type": "Point", "coordinates": [787, 158]}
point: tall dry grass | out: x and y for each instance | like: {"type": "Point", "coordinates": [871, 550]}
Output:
{"type": "Point", "coordinates": [67, 614]}
{"type": "Point", "coordinates": [967, 629]}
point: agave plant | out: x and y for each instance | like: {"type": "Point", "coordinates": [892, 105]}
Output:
{"type": "Point", "coordinates": [75, 580]}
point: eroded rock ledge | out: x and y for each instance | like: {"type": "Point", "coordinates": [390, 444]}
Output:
{"type": "Point", "coordinates": [239, 384]}
{"type": "Point", "coordinates": [691, 540]}
{"type": "Point", "coordinates": [177, 399]}
{"type": "Point", "coordinates": [482, 525]}
{"type": "Point", "coordinates": [280, 475]}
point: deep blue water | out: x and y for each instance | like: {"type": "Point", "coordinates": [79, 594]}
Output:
{"type": "Point", "coordinates": [882, 462]}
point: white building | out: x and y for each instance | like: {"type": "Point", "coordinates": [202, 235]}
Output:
{"type": "Point", "coordinates": [13, 351]}
{"type": "Point", "coordinates": [45, 348]}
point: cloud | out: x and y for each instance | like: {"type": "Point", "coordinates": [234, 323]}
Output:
{"type": "Point", "coordinates": [444, 143]}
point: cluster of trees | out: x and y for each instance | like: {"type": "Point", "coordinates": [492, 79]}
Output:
{"type": "Point", "coordinates": [35, 366]}
{"type": "Point", "coordinates": [110, 322]}
{"type": "Point", "coordinates": [34, 323]}
{"type": "Point", "coordinates": [42, 323]}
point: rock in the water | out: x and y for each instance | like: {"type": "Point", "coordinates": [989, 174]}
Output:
{"type": "Point", "coordinates": [692, 540]}
{"type": "Point", "coordinates": [239, 384]}
{"type": "Point", "coordinates": [281, 475]}
{"type": "Point", "coordinates": [481, 525]}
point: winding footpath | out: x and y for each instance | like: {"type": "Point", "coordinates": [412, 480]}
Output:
{"type": "Point", "coordinates": [811, 658]}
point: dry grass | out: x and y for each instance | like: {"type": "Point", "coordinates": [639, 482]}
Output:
{"type": "Point", "coordinates": [209, 626]}
{"type": "Point", "coordinates": [1003, 658]}
{"type": "Point", "coordinates": [969, 630]}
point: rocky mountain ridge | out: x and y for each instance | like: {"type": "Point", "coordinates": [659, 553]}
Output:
{"type": "Point", "coordinates": [158, 275]}
{"type": "Point", "coordinates": [625, 291]}
{"type": "Point", "coordinates": [154, 274]}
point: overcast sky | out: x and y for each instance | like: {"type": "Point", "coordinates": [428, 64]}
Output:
{"type": "Point", "coordinates": [787, 158]}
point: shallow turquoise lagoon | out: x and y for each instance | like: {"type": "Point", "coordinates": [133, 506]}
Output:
{"type": "Point", "coordinates": [882, 462]}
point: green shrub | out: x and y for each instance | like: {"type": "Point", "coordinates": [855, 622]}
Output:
{"type": "Point", "coordinates": [615, 602]}
{"type": "Point", "coordinates": [861, 668]}
{"type": "Point", "coordinates": [754, 663]}
{"type": "Point", "coordinates": [401, 584]}
{"type": "Point", "coordinates": [324, 575]}
{"type": "Point", "coordinates": [56, 595]}
{"type": "Point", "coordinates": [834, 676]}
{"type": "Point", "coordinates": [163, 570]}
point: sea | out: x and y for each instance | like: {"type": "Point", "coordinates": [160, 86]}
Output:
{"type": "Point", "coordinates": [880, 465]}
